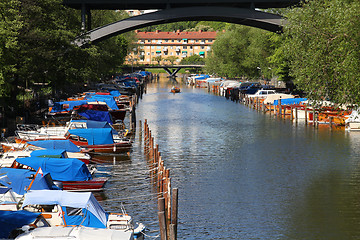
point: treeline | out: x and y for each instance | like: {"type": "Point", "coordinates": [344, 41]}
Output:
{"type": "Point", "coordinates": [318, 50]}
{"type": "Point", "coordinates": [37, 56]}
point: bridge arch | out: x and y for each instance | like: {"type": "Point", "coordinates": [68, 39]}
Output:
{"type": "Point", "coordinates": [244, 16]}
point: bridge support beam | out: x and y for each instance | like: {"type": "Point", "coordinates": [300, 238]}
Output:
{"type": "Point", "coordinates": [172, 73]}
{"type": "Point", "coordinates": [244, 16]}
{"type": "Point", "coordinates": [85, 18]}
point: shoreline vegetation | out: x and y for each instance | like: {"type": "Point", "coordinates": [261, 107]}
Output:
{"type": "Point", "coordinates": [318, 51]}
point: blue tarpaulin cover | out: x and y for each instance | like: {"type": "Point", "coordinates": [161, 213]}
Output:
{"type": "Point", "coordinates": [53, 153]}
{"type": "Point", "coordinates": [97, 115]}
{"type": "Point", "coordinates": [56, 144]}
{"type": "Point", "coordinates": [10, 220]}
{"type": "Point", "coordinates": [59, 106]}
{"type": "Point", "coordinates": [108, 99]}
{"type": "Point", "coordinates": [95, 136]}
{"type": "Point", "coordinates": [19, 180]}
{"type": "Point", "coordinates": [115, 93]}
{"type": "Point", "coordinates": [289, 101]}
{"type": "Point", "coordinates": [91, 210]}
{"type": "Point", "coordinates": [60, 169]}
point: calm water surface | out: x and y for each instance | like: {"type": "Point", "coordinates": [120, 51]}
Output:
{"type": "Point", "coordinates": [241, 174]}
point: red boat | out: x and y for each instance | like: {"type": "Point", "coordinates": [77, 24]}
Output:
{"type": "Point", "coordinates": [71, 173]}
{"type": "Point", "coordinates": [98, 140]}
{"type": "Point", "coordinates": [95, 184]}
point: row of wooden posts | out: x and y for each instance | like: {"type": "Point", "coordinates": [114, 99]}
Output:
{"type": "Point", "coordinates": [160, 177]}
{"type": "Point", "coordinates": [280, 110]}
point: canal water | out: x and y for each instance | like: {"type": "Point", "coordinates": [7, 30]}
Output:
{"type": "Point", "coordinates": [241, 174]}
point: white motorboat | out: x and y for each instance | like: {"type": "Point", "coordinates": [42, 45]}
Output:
{"type": "Point", "coordinates": [75, 233]}
{"type": "Point", "coordinates": [62, 208]}
{"type": "Point", "coordinates": [352, 123]}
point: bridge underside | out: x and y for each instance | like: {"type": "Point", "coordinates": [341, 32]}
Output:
{"type": "Point", "coordinates": [244, 16]}
{"type": "Point", "coordinates": [165, 4]}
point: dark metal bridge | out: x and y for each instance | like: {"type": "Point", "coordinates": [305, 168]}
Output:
{"type": "Point", "coordinates": [165, 4]}
{"type": "Point", "coordinates": [172, 70]}
{"type": "Point", "coordinates": [243, 12]}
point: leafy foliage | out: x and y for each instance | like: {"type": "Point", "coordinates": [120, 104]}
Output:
{"type": "Point", "coordinates": [322, 43]}
{"type": "Point", "coordinates": [194, 59]}
{"type": "Point", "coordinates": [36, 47]}
{"type": "Point", "coordinates": [240, 52]}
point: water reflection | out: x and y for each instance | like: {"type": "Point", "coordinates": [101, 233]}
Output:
{"type": "Point", "coordinates": [240, 174]}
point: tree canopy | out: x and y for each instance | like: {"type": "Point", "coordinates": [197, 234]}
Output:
{"type": "Point", "coordinates": [36, 47]}
{"type": "Point", "coordinates": [240, 52]}
{"type": "Point", "coordinates": [321, 42]}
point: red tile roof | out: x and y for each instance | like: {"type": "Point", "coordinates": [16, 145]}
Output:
{"type": "Point", "coordinates": [176, 35]}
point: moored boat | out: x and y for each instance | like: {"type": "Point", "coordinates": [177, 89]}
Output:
{"type": "Point", "coordinates": [82, 212]}
{"type": "Point", "coordinates": [98, 140]}
{"type": "Point", "coordinates": [71, 173]}
{"type": "Point", "coordinates": [175, 89]}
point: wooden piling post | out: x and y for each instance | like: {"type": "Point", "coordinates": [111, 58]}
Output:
{"type": "Point", "coordinates": [174, 212]}
{"type": "Point", "coordinates": [314, 116]}
{"type": "Point", "coordinates": [331, 122]}
{"type": "Point", "coordinates": [292, 115]}
{"type": "Point", "coordinates": [306, 118]}
{"type": "Point", "coordinates": [280, 108]}
{"type": "Point", "coordinates": [140, 130]}
{"type": "Point", "coordinates": [162, 219]}
{"type": "Point", "coordinates": [296, 114]}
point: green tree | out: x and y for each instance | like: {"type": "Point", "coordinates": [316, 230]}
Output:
{"type": "Point", "coordinates": [194, 59]}
{"type": "Point", "coordinates": [171, 59]}
{"type": "Point", "coordinates": [10, 24]}
{"type": "Point", "coordinates": [157, 59]}
{"type": "Point", "coordinates": [322, 44]}
{"type": "Point", "coordinates": [240, 52]}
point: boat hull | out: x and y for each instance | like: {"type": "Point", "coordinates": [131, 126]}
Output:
{"type": "Point", "coordinates": [96, 184]}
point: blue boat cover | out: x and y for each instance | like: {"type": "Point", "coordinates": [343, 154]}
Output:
{"type": "Point", "coordinates": [115, 93]}
{"type": "Point", "coordinates": [82, 205]}
{"type": "Point", "coordinates": [59, 106]}
{"type": "Point", "coordinates": [60, 169]}
{"type": "Point", "coordinates": [66, 145]}
{"type": "Point", "coordinates": [10, 220]}
{"type": "Point", "coordinates": [53, 153]}
{"type": "Point", "coordinates": [97, 115]}
{"type": "Point", "coordinates": [94, 136]}
{"type": "Point", "coordinates": [289, 101]}
{"type": "Point", "coordinates": [108, 99]}
{"type": "Point", "coordinates": [19, 180]}
{"type": "Point", "coordinates": [4, 190]}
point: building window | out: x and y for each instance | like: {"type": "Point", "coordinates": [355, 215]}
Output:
{"type": "Point", "coordinates": [166, 40]}
{"type": "Point", "coordinates": [152, 47]}
{"type": "Point", "coordinates": [158, 47]}
{"type": "Point", "coordinates": [196, 47]}
{"type": "Point", "coordinates": [153, 41]}
{"type": "Point", "coordinates": [184, 47]}
{"type": "Point", "coordinates": [202, 47]}
{"type": "Point", "coordinates": [173, 40]}
{"type": "Point", "coordinates": [191, 47]}
{"type": "Point", "coordinates": [148, 47]}
{"type": "Point", "coordinates": [153, 53]}
{"type": "Point", "coordinates": [171, 47]}
{"type": "Point", "coordinates": [197, 40]}
{"type": "Point", "coordinates": [210, 40]}
{"type": "Point", "coordinates": [171, 53]}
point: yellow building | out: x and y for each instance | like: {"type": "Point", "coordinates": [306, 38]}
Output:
{"type": "Point", "coordinates": [166, 44]}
